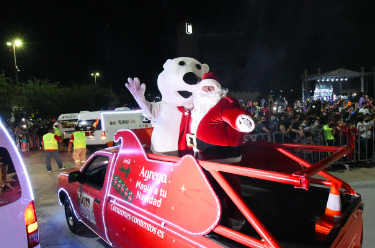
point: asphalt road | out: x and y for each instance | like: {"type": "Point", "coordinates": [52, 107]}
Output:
{"type": "Point", "coordinates": [54, 231]}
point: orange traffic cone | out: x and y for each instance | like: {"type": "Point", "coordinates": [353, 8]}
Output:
{"type": "Point", "coordinates": [332, 214]}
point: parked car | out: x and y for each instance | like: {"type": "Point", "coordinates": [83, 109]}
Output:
{"type": "Point", "coordinates": [131, 197]}
{"type": "Point", "coordinates": [18, 221]}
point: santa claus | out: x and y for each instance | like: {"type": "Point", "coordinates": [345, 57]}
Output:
{"type": "Point", "coordinates": [218, 122]}
{"type": "Point", "coordinates": [217, 129]}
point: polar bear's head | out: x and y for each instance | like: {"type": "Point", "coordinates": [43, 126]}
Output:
{"type": "Point", "coordinates": [180, 79]}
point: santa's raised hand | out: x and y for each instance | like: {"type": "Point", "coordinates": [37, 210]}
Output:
{"type": "Point", "coordinates": [245, 123]}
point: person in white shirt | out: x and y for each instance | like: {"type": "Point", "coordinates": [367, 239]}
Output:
{"type": "Point", "coordinates": [364, 127]}
{"type": "Point", "coordinates": [364, 110]}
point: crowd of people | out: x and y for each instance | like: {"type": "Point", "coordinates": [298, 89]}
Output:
{"type": "Point", "coordinates": [333, 123]}
{"type": "Point", "coordinates": [27, 134]}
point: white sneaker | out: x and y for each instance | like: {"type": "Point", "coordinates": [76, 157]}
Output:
{"type": "Point", "coordinates": [63, 168]}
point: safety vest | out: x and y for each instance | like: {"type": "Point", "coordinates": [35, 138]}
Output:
{"type": "Point", "coordinates": [50, 143]}
{"type": "Point", "coordinates": [79, 140]}
{"type": "Point", "coordinates": [328, 133]}
{"type": "Point", "coordinates": [57, 131]}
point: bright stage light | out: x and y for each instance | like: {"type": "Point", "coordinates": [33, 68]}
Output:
{"type": "Point", "coordinates": [346, 79]}
{"type": "Point", "coordinates": [341, 79]}
{"type": "Point", "coordinates": [332, 79]}
{"type": "Point", "coordinates": [337, 79]}
{"type": "Point", "coordinates": [323, 79]}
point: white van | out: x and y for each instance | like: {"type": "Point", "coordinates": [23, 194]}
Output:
{"type": "Point", "coordinates": [109, 122]}
{"type": "Point", "coordinates": [19, 226]}
{"type": "Point", "coordinates": [67, 123]}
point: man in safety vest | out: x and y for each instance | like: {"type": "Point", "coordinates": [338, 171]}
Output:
{"type": "Point", "coordinates": [58, 134]}
{"type": "Point", "coordinates": [78, 140]}
{"type": "Point", "coordinates": [49, 142]}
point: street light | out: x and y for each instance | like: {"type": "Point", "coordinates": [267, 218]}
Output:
{"type": "Point", "coordinates": [14, 44]}
{"type": "Point", "coordinates": [96, 74]}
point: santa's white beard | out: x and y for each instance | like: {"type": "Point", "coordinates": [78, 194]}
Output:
{"type": "Point", "coordinates": [203, 101]}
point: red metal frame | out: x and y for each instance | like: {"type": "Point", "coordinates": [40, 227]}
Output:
{"type": "Point", "coordinates": [300, 179]}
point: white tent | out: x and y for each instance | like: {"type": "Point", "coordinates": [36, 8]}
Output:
{"type": "Point", "coordinates": [341, 73]}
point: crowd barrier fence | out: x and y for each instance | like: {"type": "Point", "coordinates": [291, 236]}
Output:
{"type": "Point", "coordinates": [26, 140]}
{"type": "Point", "coordinates": [361, 145]}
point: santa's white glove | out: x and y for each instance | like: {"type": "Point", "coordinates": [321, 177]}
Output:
{"type": "Point", "coordinates": [245, 123]}
{"type": "Point", "coordinates": [137, 89]}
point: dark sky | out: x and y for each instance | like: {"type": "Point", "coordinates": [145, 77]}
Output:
{"type": "Point", "coordinates": [250, 44]}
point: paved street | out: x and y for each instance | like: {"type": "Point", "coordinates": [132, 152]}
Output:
{"type": "Point", "coordinates": [54, 231]}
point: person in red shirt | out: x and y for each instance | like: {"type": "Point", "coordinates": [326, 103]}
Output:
{"type": "Point", "coordinates": [351, 132]}
{"type": "Point", "coordinates": [338, 122]}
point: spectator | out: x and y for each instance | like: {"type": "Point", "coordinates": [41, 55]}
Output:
{"type": "Point", "coordinates": [329, 132]}
{"type": "Point", "coordinates": [308, 141]}
{"type": "Point", "coordinates": [263, 125]}
{"type": "Point", "coordinates": [273, 124]}
{"type": "Point", "coordinates": [285, 129]}
{"type": "Point", "coordinates": [318, 136]}
{"type": "Point", "coordinates": [297, 131]}
{"type": "Point", "coordinates": [351, 132]}
{"type": "Point", "coordinates": [366, 144]}
{"type": "Point", "coordinates": [364, 110]}
{"type": "Point", "coordinates": [338, 122]}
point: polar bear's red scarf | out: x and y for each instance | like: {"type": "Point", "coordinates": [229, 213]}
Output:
{"type": "Point", "coordinates": [184, 128]}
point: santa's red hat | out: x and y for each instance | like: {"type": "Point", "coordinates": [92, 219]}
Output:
{"type": "Point", "coordinates": [210, 79]}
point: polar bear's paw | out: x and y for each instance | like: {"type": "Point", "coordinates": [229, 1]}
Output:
{"type": "Point", "coordinates": [136, 88]}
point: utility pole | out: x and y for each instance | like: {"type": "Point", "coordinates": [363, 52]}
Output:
{"type": "Point", "coordinates": [109, 60]}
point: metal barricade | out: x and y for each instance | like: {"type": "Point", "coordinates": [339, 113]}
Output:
{"type": "Point", "coordinates": [317, 138]}
{"type": "Point", "coordinates": [365, 142]}
{"type": "Point", "coordinates": [361, 146]}
{"type": "Point", "coordinates": [257, 137]}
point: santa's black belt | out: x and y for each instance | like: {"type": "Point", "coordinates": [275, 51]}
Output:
{"type": "Point", "coordinates": [218, 152]}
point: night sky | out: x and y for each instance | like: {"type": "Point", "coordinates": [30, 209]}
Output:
{"type": "Point", "coordinates": [250, 44]}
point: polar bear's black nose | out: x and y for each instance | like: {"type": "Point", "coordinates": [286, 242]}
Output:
{"type": "Point", "coordinates": [191, 78]}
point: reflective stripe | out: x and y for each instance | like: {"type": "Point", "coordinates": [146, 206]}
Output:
{"type": "Point", "coordinates": [334, 202]}
{"type": "Point", "coordinates": [50, 143]}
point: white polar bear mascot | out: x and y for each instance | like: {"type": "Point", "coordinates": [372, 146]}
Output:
{"type": "Point", "coordinates": [171, 117]}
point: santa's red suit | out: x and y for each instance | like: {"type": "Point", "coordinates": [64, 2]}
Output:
{"type": "Point", "coordinates": [219, 125]}
{"type": "Point", "coordinates": [218, 135]}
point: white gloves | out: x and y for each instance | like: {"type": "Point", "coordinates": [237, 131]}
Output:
{"type": "Point", "coordinates": [245, 123]}
{"type": "Point", "coordinates": [137, 89]}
